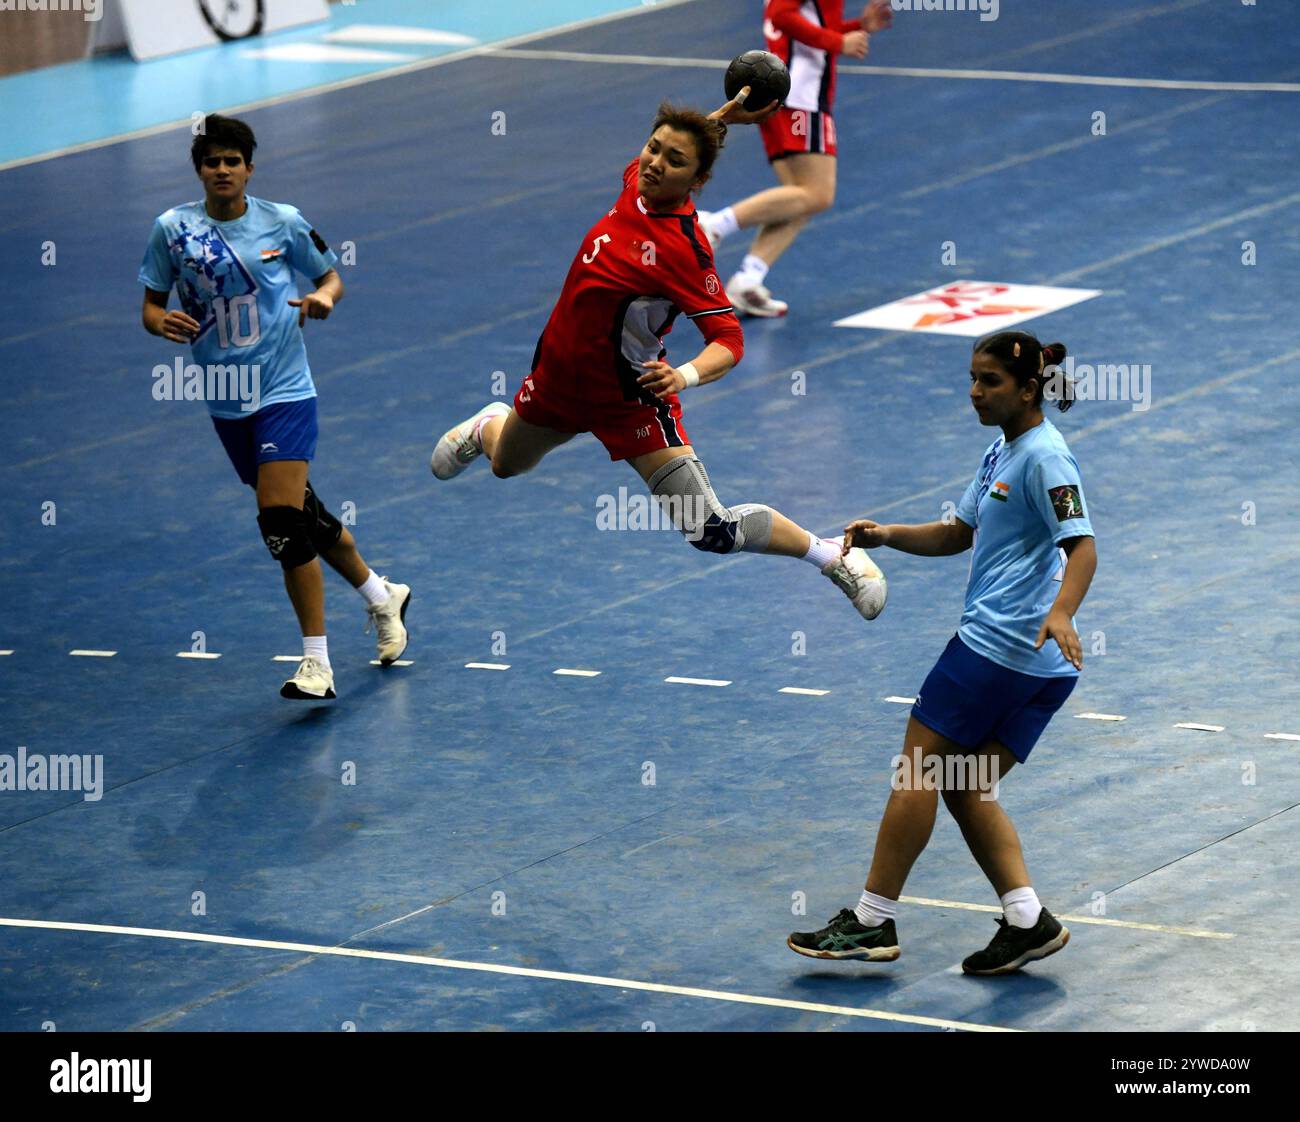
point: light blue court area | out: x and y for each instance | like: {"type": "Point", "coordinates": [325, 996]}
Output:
{"type": "Point", "coordinates": [83, 102]}
{"type": "Point", "coordinates": [457, 847]}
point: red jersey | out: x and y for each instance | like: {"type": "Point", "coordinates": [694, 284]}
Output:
{"type": "Point", "coordinates": [808, 35]}
{"type": "Point", "coordinates": [635, 272]}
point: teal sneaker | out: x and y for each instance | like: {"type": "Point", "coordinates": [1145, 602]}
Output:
{"type": "Point", "coordinates": [845, 937]}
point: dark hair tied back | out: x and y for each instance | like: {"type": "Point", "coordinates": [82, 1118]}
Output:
{"type": "Point", "coordinates": [1024, 357]}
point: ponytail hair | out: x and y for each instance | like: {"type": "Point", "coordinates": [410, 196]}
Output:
{"type": "Point", "coordinates": [1024, 357]}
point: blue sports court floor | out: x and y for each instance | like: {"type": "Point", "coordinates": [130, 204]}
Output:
{"type": "Point", "coordinates": [500, 860]}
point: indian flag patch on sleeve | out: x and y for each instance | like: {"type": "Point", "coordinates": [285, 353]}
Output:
{"type": "Point", "coordinates": [1000, 491]}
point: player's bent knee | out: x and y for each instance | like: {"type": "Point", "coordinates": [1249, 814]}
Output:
{"type": "Point", "coordinates": [325, 529]}
{"type": "Point", "coordinates": [683, 490]}
{"type": "Point", "coordinates": [287, 533]}
{"type": "Point", "coordinates": [820, 200]}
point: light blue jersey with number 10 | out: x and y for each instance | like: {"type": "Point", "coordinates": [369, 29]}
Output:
{"type": "Point", "coordinates": [236, 280]}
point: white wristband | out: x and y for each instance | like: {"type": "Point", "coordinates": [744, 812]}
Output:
{"type": "Point", "coordinates": [688, 371]}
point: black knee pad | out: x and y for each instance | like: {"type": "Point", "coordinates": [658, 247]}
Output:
{"type": "Point", "coordinates": [325, 528]}
{"type": "Point", "coordinates": [717, 535]}
{"type": "Point", "coordinates": [287, 533]}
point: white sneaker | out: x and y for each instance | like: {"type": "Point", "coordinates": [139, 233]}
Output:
{"type": "Point", "coordinates": [861, 581]}
{"type": "Point", "coordinates": [706, 224]}
{"type": "Point", "coordinates": [755, 301]}
{"type": "Point", "coordinates": [389, 619]}
{"type": "Point", "coordinates": [312, 681]}
{"type": "Point", "coordinates": [459, 448]}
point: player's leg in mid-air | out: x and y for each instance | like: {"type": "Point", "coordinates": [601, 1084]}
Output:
{"type": "Point", "coordinates": [677, 479]}
{"type": "Point", "coordinates": [511, 444]}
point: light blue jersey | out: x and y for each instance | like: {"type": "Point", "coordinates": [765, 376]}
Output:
{"type": "Point", "coordinates": [1025, 499]}
{"type": "Point", "coordinates": [236, 279]}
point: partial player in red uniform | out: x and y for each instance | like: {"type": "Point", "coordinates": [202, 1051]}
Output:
{"type": "Point", "coordinates": [799, 138]}
{"type": "Point", "coordinates": [599, 366]}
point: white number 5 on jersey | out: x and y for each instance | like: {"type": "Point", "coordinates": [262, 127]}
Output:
{"type": "Point", "coordinates": [588, 258]}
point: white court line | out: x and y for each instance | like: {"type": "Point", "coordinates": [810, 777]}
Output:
{"type": "Point", "coordinates": [286, 658]}
{"type": "Point", "coordinates": [913, 72]}
{"type": "Point", "coordinates": [487, 666]}
{"type": "Point", "coordinates": [323, 52]}
{"type": "Point", "coordinates": [1267, 735]}
{"type": "Point", "coordinates": [809, 693]}
{"type": "Point", "coordinates": [342, 84]}
{"type": "Point", "coordinates": [900, 700]}
{"type": "Point", "coordinates": [6, 652]}
{"type": "Point", "coordinates": [577, 673]}
{"type": "Point", "coordinates": [1096, 920]}
{"type": "Point", "coordinates": [1198, 728]}
{"type": "Point", "coordinates": [196, 654]}
{"type": "Point", "coordinates": [391, 33]}
{"type": "Point", "coordinates": [495, 968]}
{"type": "Point", "coordinates": [1099, 717]}
{"type": "Point", "coordinates": [93, 654]}
{"type": "Point", "coordinates": [395, 662]}
{"type": "Point", "coordinates": [699, 681]}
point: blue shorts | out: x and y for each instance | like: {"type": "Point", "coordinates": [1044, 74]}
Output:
{"type": "Point", "coordinates": [970, 699]}
{"type": "Point", "coordinates": [284, 431]}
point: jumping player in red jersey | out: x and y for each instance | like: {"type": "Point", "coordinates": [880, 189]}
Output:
{"type": "Point", "coordinates": [599, 366]}
{"type": "Point", "coordinates": [799, 138]}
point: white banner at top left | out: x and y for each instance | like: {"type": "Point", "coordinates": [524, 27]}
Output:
{"type": "Point", "coordinates": [156, 28]}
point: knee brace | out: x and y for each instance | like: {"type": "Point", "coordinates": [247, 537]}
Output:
{"type": "Point", "coordinates": [325, 529]}
{"type": "Point", "coordinates": [682, 488]}
{"type": "Point", "coordinates": [287, 533]}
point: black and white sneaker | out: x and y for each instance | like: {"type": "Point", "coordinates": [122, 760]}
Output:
{"type": "Point", "coordinates": [312, 681]}
{"type": "Point", "coordinates": [1012, 947]}
{"type": "Point", "coordinates": [845, 937]}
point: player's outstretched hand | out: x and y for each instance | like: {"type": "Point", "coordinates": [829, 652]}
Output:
{"type": "Point", "coordinates": [315, 305]}
{"type": "Point", "coordinates": [735, 113]}
{"type": "Point", "coordinates": [178, 327]}
{"type": "Point", "coordinates": [1057, 626]}
{"type": "Point", "coordinates": [865, 534]}
{"type": "Point", "coordinates": [877, 16]}
{"type": "Point", "coordinates": [661, 379]}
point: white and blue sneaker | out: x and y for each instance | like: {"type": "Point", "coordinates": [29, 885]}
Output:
{"type": "Point", "coordinates": [389, 619]}
{"type": "Point", "coordinates": [861, 580]}
{"type": "Point", "coordinates": [462, 445]}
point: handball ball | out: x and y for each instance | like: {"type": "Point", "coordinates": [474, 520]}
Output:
{"type": "Point", "coordinates": [763, 72]}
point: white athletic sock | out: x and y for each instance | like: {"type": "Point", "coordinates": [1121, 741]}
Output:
{"type": "Point", "coordinates": [753, 271]}
{"type": "Point", "coordinates": [724, 223]}
{"type": "Point", "coordinates": [477, 434]}
{"type": "Point", "coordinates": [821, 552]}
{"type": "Point", "coordinates": [873, 910]}
{"type": "Point", "coordinates": [317, 647]}
{"type": "Point", "coordinates": [1021, 907]}
{"type": "Point", "coordinates": [374, 589]}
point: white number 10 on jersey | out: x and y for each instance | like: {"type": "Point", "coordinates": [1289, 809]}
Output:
{"type": "Point", "coordinates": [230, 321]}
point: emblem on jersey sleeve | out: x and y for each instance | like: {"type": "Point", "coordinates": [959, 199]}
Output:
{"type": "Point", "coordinates": [711, 283]}
{"type": "Point", "coordinates": [1066, 501]}
{"type": "Point", "coordinates": [319, 243]}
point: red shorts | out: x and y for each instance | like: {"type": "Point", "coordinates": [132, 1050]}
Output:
{"type": "Point", "coordinates": [625, 428]}
{"type": "Point", "coordinates": [791, 132]}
